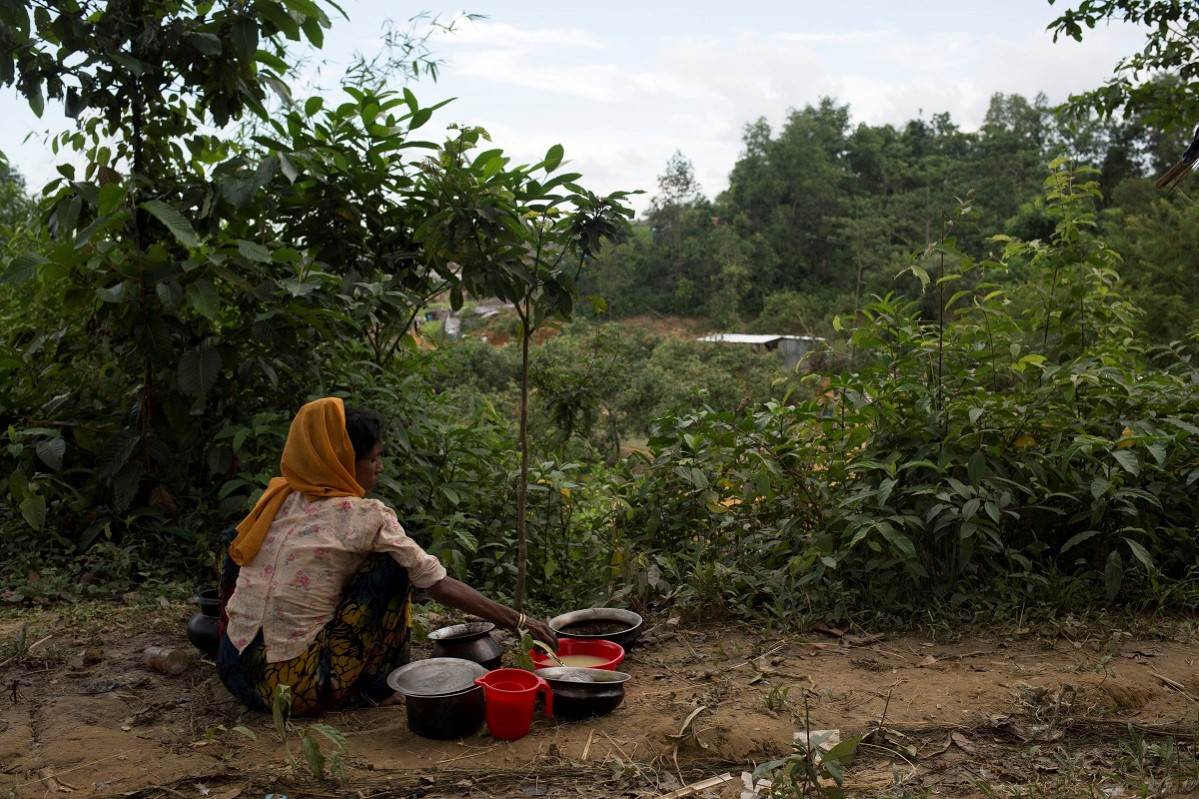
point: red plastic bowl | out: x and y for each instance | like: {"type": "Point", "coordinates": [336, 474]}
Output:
{"type": "Point", "coordinates": [612, 653]}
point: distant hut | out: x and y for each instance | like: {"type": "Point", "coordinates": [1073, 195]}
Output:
{"type": "Point", "coordinates": [793, 348]}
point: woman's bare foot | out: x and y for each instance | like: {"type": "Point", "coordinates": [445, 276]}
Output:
{"type": "Point", "coordinates": [392, 701]}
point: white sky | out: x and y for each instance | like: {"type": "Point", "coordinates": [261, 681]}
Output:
{"type": "Point", "coordinates": [622, 85]}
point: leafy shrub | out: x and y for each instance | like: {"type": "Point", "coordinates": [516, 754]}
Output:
{"type": "Point", "coordinates": [1024, 435]}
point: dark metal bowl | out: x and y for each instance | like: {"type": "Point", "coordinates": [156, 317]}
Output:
{"type": "Point", "coordinates": [582, 693]}
{"type": "Point", "coordinates": [625, 625]}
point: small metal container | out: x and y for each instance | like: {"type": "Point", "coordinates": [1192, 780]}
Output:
{"type": "Point", "coordinates": [471, 641]}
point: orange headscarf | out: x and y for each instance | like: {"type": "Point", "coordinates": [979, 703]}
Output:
{"type": "Point", "coordinates": [318, 459]}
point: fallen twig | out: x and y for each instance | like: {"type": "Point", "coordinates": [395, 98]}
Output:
{"type": "Point", "coordinates": [1175, 685]}
{"type": "Point", "coordinates": [461, 757]}
{"type": "Point", "coordinates": [696, 787]}
{"type": "Point", "coordinates": [76, 768]}
{"type": "Point", "coordinates": [28, 649]}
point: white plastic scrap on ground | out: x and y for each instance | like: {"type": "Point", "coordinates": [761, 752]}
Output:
{"type": "Point", "coordinates": [754, 790]}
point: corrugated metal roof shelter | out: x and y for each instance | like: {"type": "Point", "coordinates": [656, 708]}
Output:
{"type": "Point", "coordinates": [793, 348]}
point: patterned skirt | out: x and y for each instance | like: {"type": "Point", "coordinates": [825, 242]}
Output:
{"type": "Point", "coordinates": [346, 664]}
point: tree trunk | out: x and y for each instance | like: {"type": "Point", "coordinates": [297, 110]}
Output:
{"type": "Point", "coordinates": [522, 487]}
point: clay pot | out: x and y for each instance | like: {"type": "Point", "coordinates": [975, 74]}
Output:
{"type": "Point", "coordinates": [203, 629]}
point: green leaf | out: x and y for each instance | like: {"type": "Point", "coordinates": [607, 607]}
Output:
{"type": "Point", "coordinates": [970, 508]}
{"type": "Point", "coordinates": [206, 43]}
{"type": "Point", "coordinates": [253, 251]}
{"type": "Point", "coordinates": [313, 755]}
{"type": "Point", "coordinates": [23, 267]}
{"type": "Point", "coordinates": [204, 298]}
{"type": "Point", "coordinates": [314, 32]}
{"type": "Point", "coordinates": [1128, 459]}
{"type": "Point", "coordinates": [51, 452]}
{"type": "Point", "coordinates": [419, 118]}
{"type": "Point", "coordinates": [1077, 539]}
{"type": "Point", "coordinates": [976, 468]}
{"type": "Point", "coordinates": [198, 370]}
{"type": "Point", "coordinates": [843, 753]}
{"type": "Point", "coordinates": [175, 222]}
{"type": "Point", "coordinates": [312, 105]}
{"type": "Point", "coordinates": [37, 102]}
{"type": "Point", "coordinates": [899, 541]}
{"type": "Point", "coordinates": [1099, 487]}
{"type": "Point", "coordinates": [1158, 451]}
{"type": "Point", "coordinates": [922, 275]}
{"type": "Point", "coordinates": [113, 294]}
{"type": "Point", "coordinates": [33, 508]}
{"type": "Point", "coordinates": [553, 157]}
{"type": "Point", "coordinates": [170, 294]}
{"type": "Point", "coordinates": [1141, 554]}
{"type": "Point", "coordinates": [111, 195]}
{"type": "Point", "coordinates": [281, 709]}
{"type": "Point", "coordinates": [1113, 575]}
{"type": "Point", "coordinates": [244, 35]}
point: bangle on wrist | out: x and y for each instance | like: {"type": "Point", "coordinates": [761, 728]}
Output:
{"type": "Point", "coordinates": [520, 621]}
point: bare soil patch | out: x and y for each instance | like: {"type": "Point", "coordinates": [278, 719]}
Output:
{"type": "Point", "coordinates": [81, 715]}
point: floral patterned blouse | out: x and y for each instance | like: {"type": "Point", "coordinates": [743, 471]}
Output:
{"type": "Point", "coordinates": [292, 586]}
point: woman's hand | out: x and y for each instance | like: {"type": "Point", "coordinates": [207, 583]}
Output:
{"type": "Point", "coordinates": [542, 632]}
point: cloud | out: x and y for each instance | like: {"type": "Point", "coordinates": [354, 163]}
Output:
{"type": "Point", "coordinates": [622, 99]}
{"type": "Point", "coordinates": [486, 33]}
{"type": "Point", "coordinates": [833, 37]}
{"type": "Point", "coordinates": [621, 117]}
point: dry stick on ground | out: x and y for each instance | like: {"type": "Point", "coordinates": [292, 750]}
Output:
{"type": "Point", "coordinates": [462, 757]}
{"type": "Point", "coordinates": [76, 768]}
{"type": "Point", "coordinates": [28, 649]}
{"type": "Point", "coordinates": [1175, 685]}
{"type": "Point", "coordinates": [966, 655]}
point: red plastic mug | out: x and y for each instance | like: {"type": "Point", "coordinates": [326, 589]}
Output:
{"type": "Point", "coordinates": [509, 695]}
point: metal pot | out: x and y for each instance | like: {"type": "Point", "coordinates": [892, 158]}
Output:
{"type": "Point", "coordinates": [582, 693]}
{"type": "Point", "coordinates": [604, 624]}
{"type": "Point", "coordinates": [471, 641]}
{"type": "Point", "coordinates": [447, 717]}
{"type": "Point", "coordinates": [441, 698]}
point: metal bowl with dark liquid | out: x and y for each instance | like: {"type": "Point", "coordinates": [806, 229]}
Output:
{"type": "Point", "coordinates": [471, 641]}
{"type": "Point", "coordinates": [600, 624]}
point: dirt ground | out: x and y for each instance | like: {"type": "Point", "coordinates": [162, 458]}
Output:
{"type": "Point", "coordinates": [1067, 713]}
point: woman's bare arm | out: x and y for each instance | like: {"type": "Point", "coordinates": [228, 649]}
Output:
{"type": "Point", "coordinates": [458, 594]}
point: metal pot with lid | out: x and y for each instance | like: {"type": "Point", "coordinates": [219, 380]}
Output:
{"type": "Point", "coordinates": [441, 698]}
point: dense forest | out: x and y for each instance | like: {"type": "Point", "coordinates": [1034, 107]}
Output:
{"type": "Point", "coordinates": [822, 214]}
